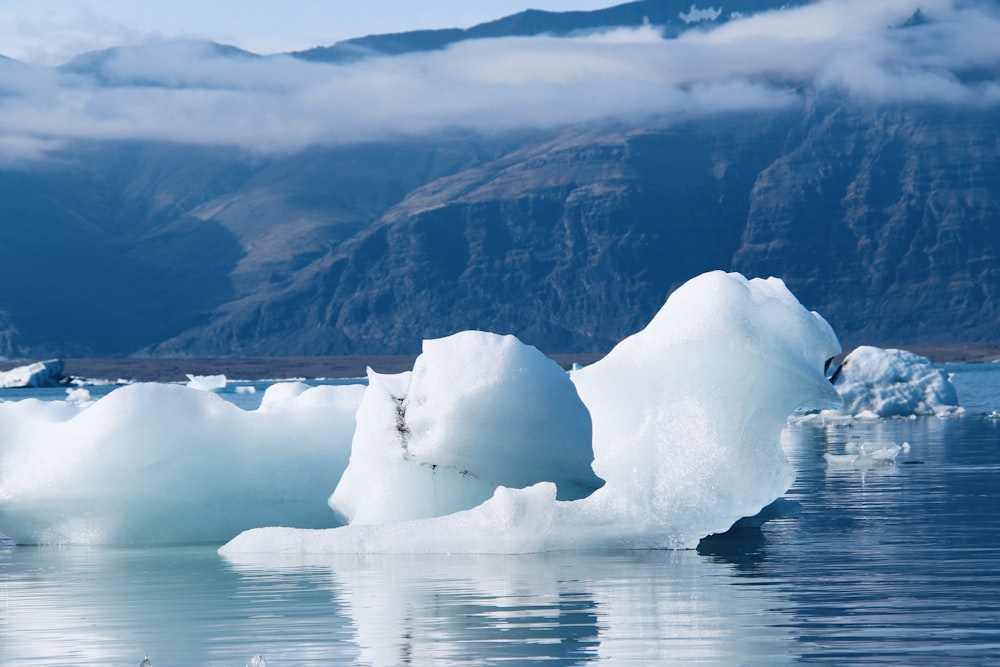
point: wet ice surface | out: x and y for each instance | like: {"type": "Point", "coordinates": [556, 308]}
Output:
{"type": "Point", "coordinates": [898, 563]}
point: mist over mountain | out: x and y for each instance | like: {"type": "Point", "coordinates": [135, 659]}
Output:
{"type": "Point", "coordinates": [551, 175]}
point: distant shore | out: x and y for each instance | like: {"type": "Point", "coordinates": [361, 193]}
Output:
{"type": "Point", "coordinates": [247, 368]}
{"type": "Point", "coordinates": [339, 367]}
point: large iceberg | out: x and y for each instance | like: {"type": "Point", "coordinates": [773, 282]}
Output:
{"type": "Point", "coordinates": [686, 416]}
{"type": "Point", "coordinates": [477, 412]}
{"type": "Point", "coordinates": [158, 464]}
{"type": "Point", "coordinates": [894, 383]}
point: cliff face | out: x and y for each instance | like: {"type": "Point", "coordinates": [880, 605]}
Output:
{"type": "Point", "coordinates": [885, 221]}
{"type": "Point", "coordinates": [888, 222]}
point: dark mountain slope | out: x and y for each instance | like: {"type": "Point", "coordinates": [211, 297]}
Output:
{"type": "Point", "coordinates": [889, 221]}
{"type": "Point", "coordinates": [886, 222]}
{"type": "Point", "coordinates": [667, 14]}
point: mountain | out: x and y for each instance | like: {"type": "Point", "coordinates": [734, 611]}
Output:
{"type": "Point", "coordinates": [885, 218]}
{"type": "Point", "coordinates": [666, 14]}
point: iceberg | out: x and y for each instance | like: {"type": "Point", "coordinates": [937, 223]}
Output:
{"type": "Point", "coordinates": [477, 412]}
{"type": "Point", "coordinates": [686, 417]}
{"type": "Point", "coordinates": [880, 383]}
{"type": "Point", "coordinates": [39, 374]}
{"type": "Point", "coordinates": [166, 464]}
{"type": "Point", "coordinates": [207, 382]}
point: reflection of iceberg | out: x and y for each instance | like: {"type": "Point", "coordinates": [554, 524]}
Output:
{"type": "Point", "coordinates": [635, 607]}
{"type": "Point", "coordinates": [161, 464]}
{"type": "Point", "coordinates": [687, 416]}
{"type": "Point", "coordinates": [478, 411]}
{"type": "Point", "coordinates": [187, 606]}
{"type": "Point", "coordinates": [894, 383]}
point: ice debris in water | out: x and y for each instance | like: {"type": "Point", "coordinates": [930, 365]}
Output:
{"type": "Point", "coordinates": [686, 416]}
{"type": "Point", "coordinates": [878, 383]}
{"type": "Point", "coordinates": [257, 661]}
{"type": "Point", "coordinates": [80, 396]}
{"type": "Point", "coordinates": [145, 662]}
{"type": "Point", "coordinates": [866, 454]}
{"type": "Point", "coordinates": [477, 412]}
{"type": "Point", "coordinates": [207, 382]}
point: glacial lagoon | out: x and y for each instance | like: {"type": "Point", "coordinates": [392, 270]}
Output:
{"type": "Point", "coordinates": [880, 563]}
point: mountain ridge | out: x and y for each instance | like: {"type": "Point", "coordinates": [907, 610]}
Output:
{"type": "Point", "coordinates": [885, 218]}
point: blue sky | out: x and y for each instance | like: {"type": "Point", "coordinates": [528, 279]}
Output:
{"type": "Point", "coordinates": [52, 31]}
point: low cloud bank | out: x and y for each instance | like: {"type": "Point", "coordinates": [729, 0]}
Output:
{"type": "Point", "coordinates": [894, 51]}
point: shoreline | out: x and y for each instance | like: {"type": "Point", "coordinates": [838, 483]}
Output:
{"type": "Point", "coordinates": [176, 369]}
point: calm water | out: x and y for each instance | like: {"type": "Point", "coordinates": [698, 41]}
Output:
{"type": "Point", "coordinates": [891, 564]}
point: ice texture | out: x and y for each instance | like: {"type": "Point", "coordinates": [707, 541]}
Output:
{"type": "Point", "coordinates": [894, 383]}
{"type": "Point", "coordinates": [207, 382]}
{"type": "Point", "coordinates": [158, 464]}
{"type": "Point", "coordinates": [686, 415]}
{"type": "Point", "coordinates": [39, 374]}
{"type": "Point", "coordinates": [478, 411]}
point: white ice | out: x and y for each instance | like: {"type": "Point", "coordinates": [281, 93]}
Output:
{"type": "Point", "coordinates": [878, 383]}
{"type": "Point", "coordinates": [867, 454]}
{"type": "Point", "coordinates": [156, 464]}
{"type": "Point", "coordinates": [207, 382]}
{"type": "Point", "coordinates": [686, 416]}
{"type": "Point", "coordinates": [477, 412]}
{"type": "Point", "coordinates": [38, 374]}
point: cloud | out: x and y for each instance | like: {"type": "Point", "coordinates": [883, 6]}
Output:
{"type": "Point", "coordinates": [695, 15]}
{"type": "Point", "coordinates": [196, 93]}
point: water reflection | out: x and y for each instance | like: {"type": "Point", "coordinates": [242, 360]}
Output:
{"type": "Point", "coordinates": [655, 607]}
{"type": "Point", "coordinates": [186, 606]}
{"type": "Point", "coordinates": [896, 563]}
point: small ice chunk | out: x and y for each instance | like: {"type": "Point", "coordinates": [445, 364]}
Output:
{"type": "Point", "coordinates": [207, 382]}
{"type": "Point", "coordinates": [80, 396]}
{"type": "Point", "coordinates": [866, 454]}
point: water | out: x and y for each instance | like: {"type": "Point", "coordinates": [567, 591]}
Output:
{"type": "Point", "coordinates": [883, 565]}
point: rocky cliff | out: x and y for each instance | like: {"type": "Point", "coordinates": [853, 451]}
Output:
{"type": "Point", "coordinates": [884, 217]}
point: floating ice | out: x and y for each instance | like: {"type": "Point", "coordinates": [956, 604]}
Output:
{"type": "Point", "coordinates": [866, 454]}
{"type": "Point", "coordinates": [207, 382]}
{"type": "Point", "coordinates": [478, 411]}
{"type": "Point", "coordinates": [155, 464]}
{"type": "Point", "coordinates": [876, 383]}
{"type": "Point", "coordinates": [39, 374]}
{"type": "Point", "coordinates": [79, 395]}
{"type": "Point", "coordinates": [687, 416]}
